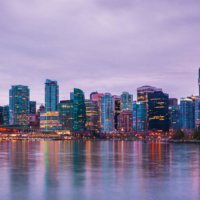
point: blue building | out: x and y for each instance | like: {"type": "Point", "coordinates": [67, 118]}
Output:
{"type": "Point", "coordinates": [174, 112]}
{"type": "Point", "coordinates": [107, 113]}
{"type": "Point", "coordinates": [186, 113]}
{"type": "Point", "coordinates": [51, 95]}
{"type": "Point", "coordinates": [139, 116]}
{"type": "Point", "coordinates": [1, 115]}
{"type": "Point", "coordinates": [126, 102]}
{"type": "Point", "coordinates": [199, 81]}
{"type": "Point", "coordinates": [197, 112]}
{"type": "Point", "coordinates": [6, 115]}
{"type": "Point", "coordinates": [19, 105]}
{"type": "Point", "coordinates": [33, 107]}
{"type": "Point", "coordinates": [158, 116]}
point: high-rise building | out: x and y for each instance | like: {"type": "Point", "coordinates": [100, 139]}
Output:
{"type": "Point", "coordinates": [107, 113]}
{"type": "Point", "coordinates": [126, 102]}
{"type": "Point", "coordinates": [174, 115]}
{"type": "Point", "coordinates": [66, 114]}
{"type": "Point", "coordinates": [97, 97]}
{"type": "Point", "coordinates": [19, 105]}
{"type": "Point", "coordinates": [71, 96]}
{"type": "Point", "coordinates": [173, 102]}
{"type": "Point", "coordinates": [197, 113]}
{"type": "Point", "coordinates": [125, 121]}
{"type": "Point", "coordinates": [6, 115]}
{"type": "Point", "coordinates": [92, 94]}
{"type": "Point", "coordinates": [116, 103]}
{"type": "Point", "coordinates": [158, 103]}
{"type": "Point", "coordinates": [79, 110]}
{"type": "Point", "coordinates": [91, 115]}
{"type": "Point", "coordinates": [139, 117]}
{"type": "Point", "coordinates": [187, 113]}
{"type": "Point", "coordinates": [199, 81]}
{"type": "Point", "coordinates": [51, 95]}
{"type": "Point", "coordinates": [33, 107]}
{"type": "Point", "coordinates": [1, 115]}
{"type": "Point", "coordinates": [50, 121]}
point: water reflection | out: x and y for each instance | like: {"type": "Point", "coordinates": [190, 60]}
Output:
{"type": "Point", "coordinates": [99, 170]}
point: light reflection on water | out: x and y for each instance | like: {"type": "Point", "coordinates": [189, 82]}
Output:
{"type": "Point", "coordinates": [99, 170]}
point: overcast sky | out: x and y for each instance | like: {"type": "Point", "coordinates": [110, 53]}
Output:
{"type": "Point", "coordinates": [99, 45]}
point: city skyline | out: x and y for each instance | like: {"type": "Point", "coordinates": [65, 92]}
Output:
{"type": "Point", "coordinates": [100, 45]}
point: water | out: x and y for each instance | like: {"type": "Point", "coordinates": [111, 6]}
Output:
{"type": "Point", "coordinates": [84, 170]}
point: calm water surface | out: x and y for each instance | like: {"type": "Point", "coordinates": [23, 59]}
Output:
{"type": "Point", "coordinates": [98, 170]}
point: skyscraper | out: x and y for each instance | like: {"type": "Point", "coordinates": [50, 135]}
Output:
{"type": "Point", "coordinates": [79, 110]}
{"type": "Point", "coordinates": [126, 102]}
{"type": "Point", "coordinates": [173, 102]}
{"type": "Point", "coordinates": [19, 105]}
{"type": "Point", "coordinates": [197, 113]}
{"type": "Point", "coordinates": [6, 115]}
{"type": "Point", "coordinates": [116, 103]}
{"type": "Point", "coordinates": [125, 121]}
{"type": "Point", "coordinates": [1, 115]}
{"type": "Point", "coordinates": [92, 94]}
{"type": "Point", "coordinates": [51, 95]}
{"type": "Point", "coordinates": [33, 107]}
{"type": "Point", "coordinates": [158, 103]}
{"type": "Point", "coordinates": [174, 113]}
{"type": "Point", "coordinates": [107, 113]}
{"type": "Point", "coordinates": [199, 81]}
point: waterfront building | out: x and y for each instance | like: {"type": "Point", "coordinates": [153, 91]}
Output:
{"type": "Point", "coordinates": [91, 115]}
{"type": "Point", "coordinates": [126, 102]}
{"type": "Point", "coordinates": [66, 114]}
{"type": "Point", "coordinates": [71, 96]}
{"type": "Point", "coordinates": [187, 113]}
{"type": "Point", "coordinates": [49, 121]}
{"type": "Point", "coordinates": [1, 115]}
{"type": "Point", "coordinates": [51, 95]}
{"type": "Point", "coordinates": [173, 102]}
{"type": "Point", "coordinates": [199, 81]}
{"type": "Point", "coordinates": [32, 107]}
{"type": "Point", "coordinates": [107, 113]}
{"type": "Point", "coordinates": [36, 125]}
{"type": "Point", "coordinates": [174, 115]}
{"type": "Point", "coordinates": [158, 103]}
{"type": "Point", "coordinates": [79, 110]}
{"type": "Point", "coordinates": [197, 113]}
{"type": "Point", "coordinates": [92, 94]}
{"type": "Point", "coordinates": [116, 103]}
{"type": "Point", "coordinates": [139, 116]}
{"type": "Point", "coordinates": [97, 97]}
{"type": "Point", "coordinates": [19, 105]}
{"type": "Point", "coordinates": [125, 121]}
{"type": "Point", "coordinates": [6, 115]}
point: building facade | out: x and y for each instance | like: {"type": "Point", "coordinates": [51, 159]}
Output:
{"type": "Point", "coordinates": [19, 105]}
{"type": "Point", "coordinates": [91, 115]}
{"type": "Point", "coordinates": [125, 122]}
{"type": "Point", "coordinates": [66, 114]}
{"type": "Point", "coordinates": [126, 103]}
{"type": "Point", "coordinates": [6, 115]}
{"type": "Point", "coordinates": [79, 110]}
{"type": "Point", "coordinates": [107, 113]}
{"type": "Point", "coordinates": [173, 102]}
{"type": "Point", "coordinates": [174, 113]}
{"type": "Point", "coordinates": [32, 107]}
{"type": "Point", "coordinates": [1, 115]}
{"type": "Point", "coordinates": [117, 104]}
{"type": "Point", "coordinates": [51, 95]}
{"type": "Point", "coordinates": [158, 103]}
{"type": "Point", "coordinates": [197, 113]}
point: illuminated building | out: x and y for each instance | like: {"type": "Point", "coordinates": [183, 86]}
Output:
{"type": "Point", "coordinates": [174, 115]}
{"type": "Point", "coordinates": [173, 102]}
{"type": "Point", "coordinates": [126, 102]}
{"type": "Point", "coordinates": [1, 115]}
{"type": "Point", "coordinates": [19, 105]}
{"type": "Point", "coordinates": [79, 110]}
{"type": "Point", "coordinates": [199, 81]}
{"type": "Point", "coordinates": [92, 94]}
{"type": "Point", "coordinates": [125, 121]}
{"type": "Point", "coordinates": [139, 116]}
{"type": "Point", "coordinates": [158, 103]}
{"type": "Point", "coordinates": [51, 95]}
{"type": "Point", "coordinates": [32, 107]}
{"type": "Point", "coordinates": [91, 115]}
{"type": "Point", "coordinates": [97, 97]}
{"type": "Point", "coordinates": [49, 121]}
{"type": "Point", "coordinates": [116, 103]}
{"type": "Point", "coordinates": [6, 115]}
{"type": "Point", "coordinates": [187, 113]}
{"type": "Point", "coordinates": [66, 113]}
{"type": "Point", "coordinates": [107, 113]}
{"type": "Point", "coordinates": [197, 112]}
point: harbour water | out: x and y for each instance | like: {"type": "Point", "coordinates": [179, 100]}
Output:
{"type": "Point", "coordinates": [99, 170]}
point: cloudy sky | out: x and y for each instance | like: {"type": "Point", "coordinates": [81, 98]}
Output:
{"type": "Point", "coordinates": [99, 45]}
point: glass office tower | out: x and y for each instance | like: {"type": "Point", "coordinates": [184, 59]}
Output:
{"type": "Point", "coordinates": [66, 114]}
{"type": "Point", "coordinates": [158, 103]}
{"type": "Point", "coordinates": [125, 121]}
{"type": "Point", "coordinates": [6, 115]}
{"type": "Point", "coordinates": [19, 105]}
{"type": "Point", "coordinates": [187, 113]}
{"type": "Point", "coordinates": [197, 113]}
{"type": "Point", "coordinates": [126, 102]}
{"type": "Point", "coordinates": [91, 115]}
{"type": "Point", "coordinates": [116, 103]}
{"type": "Point", "coordinates": [199, 81]}
{"type": "Point", "coordinates": [174, 112]}
{"type": "Point", "coordinates": [1, 115]}
{"type": "Point", "coordinates": [107, 113]}
{"type": "Point", "coordinates": [79, 110]}
{"type": "Point", "coordinates": [139, 116]}
{"type": "Point", "coordinates": [33, 107]}
{"type": "Point", "coordinates": [51, 95]}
